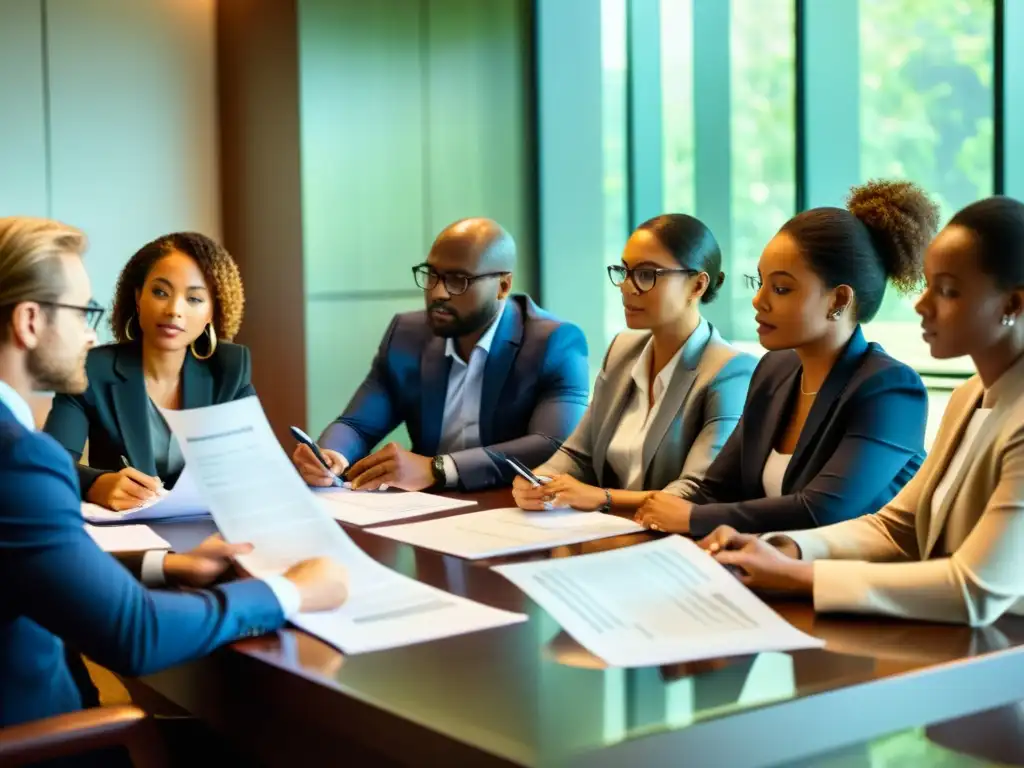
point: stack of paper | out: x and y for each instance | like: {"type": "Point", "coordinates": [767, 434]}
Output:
{"type": "Point", "coordinates": [372, 508]}
{"type": "Point", "coordinates": [183, 501]}
{"type": "Point", "coordinates": [662, 602]}
{"type": "Point", "coordinates": [256, 496]}
{"type": "Point", "coordinates": [126, 538]}
{"type": "Point", "coordinates": [496, 532]}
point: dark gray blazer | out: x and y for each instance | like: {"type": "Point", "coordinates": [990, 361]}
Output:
{"type": "Point", "coordinates": [701, 406]}
{"type": "Point", "coordinates": [862, 442]}
{"type": "Point", "coordinates": [113, 413]}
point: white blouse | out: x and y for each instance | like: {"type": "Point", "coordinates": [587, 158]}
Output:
{"type": "Point", "coordinates": [626, 450]}
{"type": "Point", "coordinates": [774, 471]}
{"type": "Point", "coordinates": [962, 452]}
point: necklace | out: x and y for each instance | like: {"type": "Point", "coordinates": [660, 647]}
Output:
{"type": "Point", "coordinates": [802, 392]}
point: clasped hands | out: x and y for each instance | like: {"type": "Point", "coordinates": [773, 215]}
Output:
{"type": "Point", "coordinates": [390, 467]}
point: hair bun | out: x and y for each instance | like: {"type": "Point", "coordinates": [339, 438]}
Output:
{"type": "Point", "coordinates": [902, 220]}
{"type": "Point", "coordinates": [714, 286]}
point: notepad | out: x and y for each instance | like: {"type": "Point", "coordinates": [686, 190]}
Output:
{"type": "Point", "coordinates": [496, 532]}
{"type": "Point", "coordinates": [126, 538]}
{"type": "Point", "coordinates": [371, 508]}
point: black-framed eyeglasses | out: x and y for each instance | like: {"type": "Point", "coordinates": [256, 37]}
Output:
{"type": "Point", "coordinates": [92, 312]}
{"type": "Point", "coordinates": [456, 283]}
{"type": "Point", "coordinates": [643, 278]}
{"type": "Point", "coordinates": [753, 282]}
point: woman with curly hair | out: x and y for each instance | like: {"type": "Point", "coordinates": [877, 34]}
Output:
{"type": "Point", "coordinates": [833, 427]}
{"type": "Point", "coordinates": [177, 304]}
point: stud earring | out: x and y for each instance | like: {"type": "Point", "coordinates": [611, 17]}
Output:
{"type": "Point", "coordinates": [835, 314]}
{"type": "Point", "coordinates": [1009, 321]}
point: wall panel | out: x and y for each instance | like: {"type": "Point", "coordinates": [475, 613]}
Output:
{"type": "Point", "coordinates": [133, 126]}
{"type": "Point", "coordinates": [23, 166]}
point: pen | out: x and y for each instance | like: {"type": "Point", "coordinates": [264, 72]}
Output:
{"type": "Point", "coordinates": [524, 472]}
{"type": "Point", "coordinates": [306, 440]}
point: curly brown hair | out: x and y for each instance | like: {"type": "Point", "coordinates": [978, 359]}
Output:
{"type": "Point", "coordinates": [218, 268]}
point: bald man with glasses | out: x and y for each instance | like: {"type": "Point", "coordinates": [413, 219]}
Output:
{"type": "Point", "coordinates": [478, 375]}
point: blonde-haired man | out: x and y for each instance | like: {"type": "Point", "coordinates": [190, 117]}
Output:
{"type": "Point", "coordinates": [67, 589]}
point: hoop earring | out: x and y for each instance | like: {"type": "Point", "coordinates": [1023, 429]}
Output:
{"type": "Point", "coordinates": [128, 329]}
{"type": "Point", "coordinates": [213, 344]}
{"type": "Point", "coordinates": [1009, 321]}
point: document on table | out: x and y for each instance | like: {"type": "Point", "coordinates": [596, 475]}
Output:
{"type": "Point", "coordinates": [372, 508]}
{"type": "Point", "coordinates": [662, 602]}
{"type": "Point", "coordinates": [496, 532]}
{"type": "Point", "coordinates": [184, 500]}
{"type": "Point", "coordinates": [126, 538]}
{"type": "Point", "coordinates": [256, 495]}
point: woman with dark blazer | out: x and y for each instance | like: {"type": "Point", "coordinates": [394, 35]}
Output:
{"type": "Point", "coordinates": [178, 302]}
{"type": "Point", "coordinates": [671, 389]}
{"type": "Point", "coordinates": [833, 427]}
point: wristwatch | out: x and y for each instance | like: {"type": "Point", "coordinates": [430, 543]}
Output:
{"type": "Point", "coordinates": [440, 477]}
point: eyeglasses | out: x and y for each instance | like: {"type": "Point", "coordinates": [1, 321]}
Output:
{"type": "Point", "coordinates": [753, 282]}
{"type": "Point", "coordinates": [456, 283]}
{"type": "Point", "coordinates": [643, 278]}
{"type": "Point", "coordinates": [92, 313]}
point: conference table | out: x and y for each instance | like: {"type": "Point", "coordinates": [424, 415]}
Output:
{"type": "Point", "coordinates": [529, 695]}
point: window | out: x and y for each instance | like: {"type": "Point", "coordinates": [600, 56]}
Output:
{"type": "Point", "coordinates": [762, 56]}
{"type": "Point", "coordinates": [616, 172]}
{"type": "Point", "coordinates": [757, 149]}
{"type": "Point", "coordinates": [926, 104]}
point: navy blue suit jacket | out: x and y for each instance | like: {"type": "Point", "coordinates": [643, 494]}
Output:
{"type": "Point", "coordinates": [535, 390]}
{"type": "Point", "coordinates": [112, 414]}
{"type": "Point", "coordinates": [862, 442]}
{"type": "Point", "coordinates": [58, 585]}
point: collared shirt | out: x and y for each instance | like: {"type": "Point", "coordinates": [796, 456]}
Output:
{"type": "Point", "coordinates": [152, 571]}
{"type": "Point", "coordinates": [16, 404]}
{"type": "Point", "coordinates": [460, 427]}
{"type": "Point", "coordinates": [626, 450]}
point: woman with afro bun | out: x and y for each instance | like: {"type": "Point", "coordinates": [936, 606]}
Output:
{"type": "Point", "coordinates": [947, 548]}
{"type": "Point", "coordinates": [177, 305]}
{"type": "Point", "coordinates": [833, 427]}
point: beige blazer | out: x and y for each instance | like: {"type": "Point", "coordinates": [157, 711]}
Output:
{"type": "Point", "coordinates": [966, 565]}
{"type": "Point", "coordinates": [701, 405]}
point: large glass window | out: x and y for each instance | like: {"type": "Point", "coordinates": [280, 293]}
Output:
{"type": "Point", "coordinates": [616, 164]}
{"type": "Point", "coordinates": [760, 104]}
{"type": "Point", "coordinates": [762, 53]}
{"type": "Point", "coordinates": [926, 115]}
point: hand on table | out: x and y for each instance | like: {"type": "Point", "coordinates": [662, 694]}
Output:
{"type": "Point", "coordinates": [204, 564]}
{"type": "Point", "coordinates": [759, 564]}
{"type": "Point", "coordinates": [394, 467]}
{"type": "Point", "coordinates": [315, 473]}
{"type": "Point", "coordinates": [322, 583]}
{"type": "Point", "coordinates": [665, 512]}
{"type": "Point", "coordinates": [124, 490]}
{"type": "Point", "coordinates": [530, 498]}
{"type": "Point", "coordinates": [567, 491]}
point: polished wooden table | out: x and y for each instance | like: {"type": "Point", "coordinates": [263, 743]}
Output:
{"type": "Point", "coordinates": [529, 695]}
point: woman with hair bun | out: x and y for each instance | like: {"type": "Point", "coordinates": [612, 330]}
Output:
{"type": "Point", "coordinates": [833, 427]}
{"type": "Point", "coordinates": [670, 390]}
{"type": "Point", "coordinates": [947, 548]}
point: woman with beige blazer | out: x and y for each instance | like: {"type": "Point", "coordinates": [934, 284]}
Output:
{"type": "Point", "coordinates": [670, 391]}
{"type": "Point", "coordinates": [950, 546]}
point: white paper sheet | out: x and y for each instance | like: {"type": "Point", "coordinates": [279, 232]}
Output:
{"type": "Point", "coordinates": [496, 532]}
{"type": "Point", "coordinates": [126, 538]}
{"type": "Point", "coordinates": [256, 495]}
{"type": "Point", "coordinates": [184, 500]}
{"type": "Point", "coordinates": [661, 602]}
{"type": "Point", "coordinates": [371, 508]}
